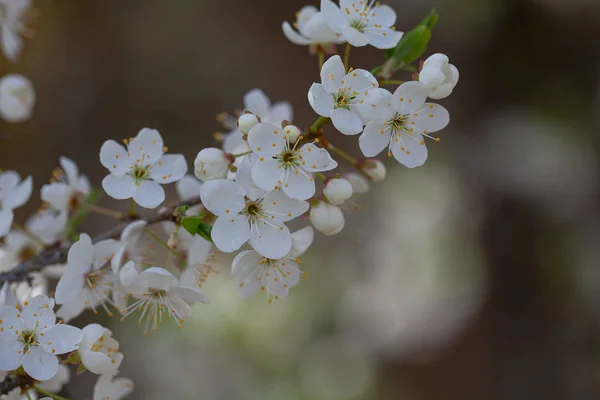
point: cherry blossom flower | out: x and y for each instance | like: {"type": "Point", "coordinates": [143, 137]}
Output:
{"type": "Point", "coordinates": [439, 76]}
{"type": "Point", "coordinates": [89, 278]}
{"type": "Point", "coordinates": [31, 338]}
{"type": "Point", "coordinates": [158, 294]}
{"type": "Point", "coordinates": [362, 22]}
{"type": "Point", "coordinates": [138, 171]}
{"type": "Point", "coordinates": [360, 184]}
{"type": "Point", "coordinates": [313, 31]}
{"type": "Point", "coordinates": [68, 189]}
{"type": "Point", "coordinates": [327, 218]}
{"type": "Point", "coordinates": [13, 194]}
{"type": "Point", "coordinates": [47, 225]}
{"type": "Point", "coordinates": [283, 165]}
{"type": "Point", "coordinates": [109, 388]}
{"type": "Point", "coordinates": [17, 98]}
{"type": "Point", "coordinates": [254, 272]}
{"type": "Point", "coordinates": [373, 169]}
{"type": "Point", "coordinates": [99, 351]}
{"type": "Point", "coordinates": [241, 219]}
{"type": "Point", "coordinates": [17, 248]}
{"type": "Point", "coordinates": [200, 259]}
{"type": "Point", "coordinates": [337, 191]}
{"type": "Point", "coordinates": [404, 121]}
{"type": "Point", "coordinates": [343, 97]}
{"type": "Point", "coordinates": [132, 246]}
{"type": "Point", "coordinates": [56, 383]}
{"type": "Point", "coordinates": [13, 23]}
{"type": "Point", "coordinates": [212, 164]}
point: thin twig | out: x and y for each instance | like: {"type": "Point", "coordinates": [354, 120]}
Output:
{"type": "Point", "coordinates": [58, 254]}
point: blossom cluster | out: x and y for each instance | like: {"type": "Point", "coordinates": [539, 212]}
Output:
{"type": "Point", "coordinates": [250, 197]}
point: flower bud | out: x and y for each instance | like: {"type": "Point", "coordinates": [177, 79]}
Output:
{"type": "Point", "coordinates": [211, 164]}
{"type": "Point", "coordinates": [327, 218]}
{"type": "Point", "coordinates": [337, 191]}
{"type": "Point", "coordinates": [292, 133]}
{"type": "Point", "coordinates": [359, 183]}
{"type": "Point", "coordinates": [247, 122]}
{"type": "Point", "coordinates": [17, 98]}
{"type": "Point", "coordinates": [439, 76]}
{"type": "Point", "coordinates": [374, 169]}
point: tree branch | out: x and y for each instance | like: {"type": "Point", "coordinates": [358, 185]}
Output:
{"type": "Point", "coordinates": [12, 382]}
{"type": "Point", "coordinates": [58, 254]}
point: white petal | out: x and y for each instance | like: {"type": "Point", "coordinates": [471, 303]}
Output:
{"type": "Point", "coordinates": [158, 278]}
{"type": "Point", "coordinates": [189, 295]}
{"type": "Point", "coordinates": [73, 308]}
{"type": "Point", "coordinates": [244, 178]}
{"type": "Point", "coordinates": [431, 118]}
{"type": "Point", "coordinates": [431, 77]}
{"type": "Point", "coordinates": [171, 168]}
{"type": "Point", "coordinates": [257, 102]}
{"type": "Point", "coordinates": [283, 207]}
{"type": "Point", "coordinates": [374, 139]}
{"type": "Point", "coordinates": [333, 15]}
{"type": "Point", "coordinates": [320, 100]}
{"type": "Point", "coordinates": [199, 251]}
{"type": "Point", "coordinates": [346, 121]}
{"type": "Point", "coordinates": [57, 195]}
{"type": "Point", "coordinates": [106, 388]}
{"type": "Point", "coordinates": [188, 187]}
{"type": "Point", "coordinates": [305, 14]}
{"type": "Point", "coordinates": [266, 173]}
{"type": "Point", "coordinates": [414, 154]}
{"type": "Point", "coordinates": [69, 287]}
{"type": "Point", "coordinates": [294, 36]}
{"type": "Point", "coordinates": [149, 194]}
{"type": "Point", "coordinates": [70, 169]}
{"type": "Point", "coordinates": [383, 38]}
{"type": "Point", "coordinates": [266, 140]}
{"type": "Point", "coordinates": [441, 92]}
{"type": "Point", "coordinates": [81, 254]}
{"type": "Point", "coordinates": [272, 239]}
{"type": "Point", "coordinates": [9, 357]}
{"type": "Point", "coordinates": [221, 195]}
{"type": "Point", "coordinates": [39, 364]}
{"type": "Point", "coordinates": [98, 363]}
{"type": "Point", "coordinates": [6, 220]}
{"type": "Point", "coordinates": [276, 284]}
{"type": "Point", "coordinates": [354, 37]}
{"type": "Point", "coordinates": [18, 195]}
{"type": "Point", "coordinates": [147, 146]}
{"type": "Point", "coordinates": [229, 233]}
{"type": "Point", "coordinates": [62, 338]}
{"type": "Point", "coordinates": [12, 43]}
{"type": "Point", "coordinates": [382, 15]}
{"type": "Point", "coordinates": [119, 187]}
{"type": "Point", "coordinates": [298, 184]}
{"type": "Point", "coordinates": [114, 157]}
{"type": "Point", "coordinates": [317, 159]}
{"type": "Point", "coordinates": [332, 73]}
{"type": "Point", "coordinates": [103, 252]}
{"type": "Point", "coordinates": [281, 111]}
{"type": "Point", "coordinates": [291, 271]}
{"type": "Point", "coordinates": [130, 277]}
{"type": "Point", "coordinates": [409, 96]}
{"type": "Point", "coordinates": [301, 241]}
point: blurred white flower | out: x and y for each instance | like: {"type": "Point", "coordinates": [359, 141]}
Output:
{"type": "Point", "coordinates": [67, 189]}
{"type": "Point", "coordinates": [109, 388]}
{"type": "Point", "coordinates": [337, 191]}
{"type": "Point", "coordinates": [327, 218]}
{"type": "Point", "coordinates": [312, 30]}
{"type": "Point", "coordinates": [13, 15]}
{"type": "Point", "coordinates": [17, 98]}
{"type": "Point", "coordinates": [13, 194]}
{"type": "Point", "coordinates": [439, 76]}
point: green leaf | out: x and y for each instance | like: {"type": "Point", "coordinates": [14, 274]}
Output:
{"type": "Point", "coordinates": [181, 210]}
{"type": "Point", "coordinates": [412, 45]}
{"type": "Point", "coordinates": [195, 226]}
{"type": "Point", "coordinates": [431, 19]}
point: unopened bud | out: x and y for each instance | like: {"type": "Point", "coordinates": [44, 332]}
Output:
{"type": "Point", "coordinates": [327, 218]}
{"type": "Point", "coordinates": [374, 169]}
{"type": "Point", "coordinates": [247, 122]}
{"type": "Point", "coordinates": [292, 133]}
{"type": "Point", "coordinates": [337, 191]}
{"type": "Point", "coordinates": [211, 163]}
{"type": "Point", "coordinates": [359, 183]}
{"type": "Point", "coordinates": [17, 98]}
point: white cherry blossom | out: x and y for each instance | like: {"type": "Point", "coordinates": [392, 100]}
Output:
{"type": "Point", "coordinates": [241, 219]}
{"type": "Point", "coordinates": [139, 171]}
{"type": "Point", "coordinates": [253, 272]}
{"type": "Point", "coordinates": [68, 189]}
{"type": "Point", "coordinates": [362, 22]}
{"type": "Point", "coordinates": [312, 30]}
{"type": "Point", "coordinates": [439, 76]}
{"type": "Point", "coordinates": [89, 278]}
{"type": "Point", "coordinates": [327, 218]}
{"type": "Point", "coordinates": [200, 259]}
{"type": "Point", "coordinates": [404, 121]}
{"type": "Point", "coordinates": [13, 194]}
{"type": "Point", "coordinates": [344, 97]}
{"type": "Point", "coordinates": [246, 121]}
{"type": "Point", "coordinates": [31, 338]}
{"type": "Point", "coordinates": [99, 351]}
{"type": "Point", "coordinates": [109, 388]}
{"type": "Point", "coordinates": [284, 165]}
{"type": "Point", "coordinates": [373, 168]}
{"type": "Point", "coordinates": [360, 184]}
{"type": "Point", "coordinates": [212, 163]}
{"type": "Point", "coordinates": [337, 191]}
{"type": "Point", "coordinates": [13, 22]}
{"type": "Point", "coordinates": [47, 225]}
{"type": "Point", "coordinates": [17, 98]}
{"type": "Point", "coordinates": [159, 295]}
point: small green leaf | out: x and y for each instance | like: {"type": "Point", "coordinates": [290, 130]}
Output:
{"type": "Point", "coordinates": [181, 210]}
{"type": "Point", "coordinates": [412, 45]}
{"type": "Point", "coordinates": [195, 226]}
{"type": "Point", "coordinates": [431, 19]}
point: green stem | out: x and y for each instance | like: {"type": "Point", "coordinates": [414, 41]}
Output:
{"type": "Point", "coordinates": [28, 234]}
{"type": "Point", "coordinates": [314, 128]}
{"type": "Point", "coordinates": [321, 60]}
{"type": "Point", "coordinates": [347, 56]}
{"type": "Point", "coordinates": [342, 154]}
{"type": "Point", "coordinates": [104, 211]}
{"type": "Point", "coordinates": [132, 208]}
{"type": "Point", "coordinates": [242, 154]}
{"type": "Point", "coordinates": [47, 393]}
{"type": "Point", "coordinates": [391, 82]}
{"type": "Point", "coordinates": [321, 176]}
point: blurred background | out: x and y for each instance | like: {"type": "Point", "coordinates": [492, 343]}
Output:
{"type": "Point", "coordinates": [475, 276]}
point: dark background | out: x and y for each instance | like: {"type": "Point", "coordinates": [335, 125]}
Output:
{"type": "Point", "coordinates": [473, 277]}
